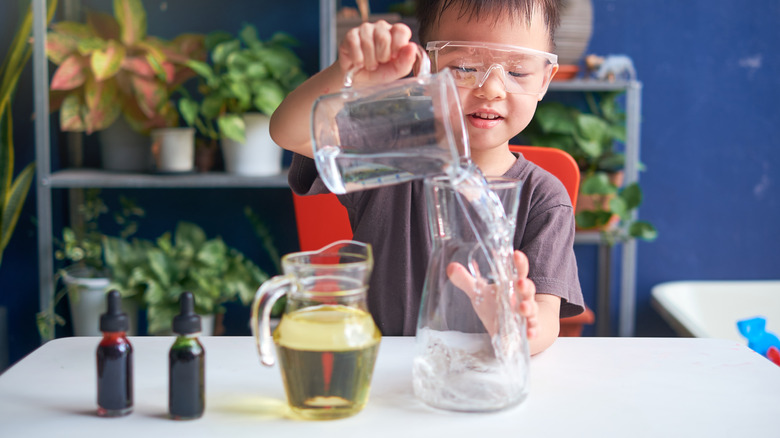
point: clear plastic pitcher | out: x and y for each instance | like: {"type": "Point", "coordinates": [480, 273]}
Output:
{"type": "Point", "coordinates": [471, 347]}
{"type": "Point", "coordinates": [382, 135]}
{"type": "Point", "coordinates": [326, 341]}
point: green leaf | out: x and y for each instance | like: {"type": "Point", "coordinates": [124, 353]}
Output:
{"type": "Point", "coordinates": [13, 203]}
{"type": "Point", "coordinates": [131, 16]}
{"type": "Point", "coordinates": [249, 36]}
{"type": "Point", "coordinates": [591, 148]}
{"type": "Point", "coordinates": [202, 69]}
{"type": "Point", "coordinates": [211, 106]}
{"type": "Point", "coordinates": [554, 117]}
{"type": "Point", "coordinates": [189, 236]}
{"type": "Point", "coordinates": [632, 195]}
{"type": "Point", "coordinates": [283, 39]}
{"type": "Point", "coordinates": [240, 90]}
{"type": "Point", "coordinates": [213, 254]}
{"type": "Point", "coordinates": [618, 206]}
{"type": "Point", "coordinates": [643, 230]}
{"type": "Point", "coordinates": [232, 126]}
{"type": "Point", "coordinates": [592, 127]}
{"type": "Point", "coordinates": [215, 38]}
{"type": "Point", "coordinates": [597, 184]}
{"type": "Point", "coordinates": [189, 110]}
{"type": "Point", "coordinates": [268, 96]}
{"type": "Point", "coordinates": [220, 54]}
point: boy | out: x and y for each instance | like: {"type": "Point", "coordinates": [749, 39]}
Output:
{"type": "Point", "coordinates": [482, 42]}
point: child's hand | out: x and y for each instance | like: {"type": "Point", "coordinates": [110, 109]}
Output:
{"type": "Point", "coordinates": [522, 301]}
{"type": "Point", "coordinates": [382, 51]}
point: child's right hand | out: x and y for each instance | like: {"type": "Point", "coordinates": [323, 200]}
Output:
{"type": "Point", "coordinates": [383, 52]}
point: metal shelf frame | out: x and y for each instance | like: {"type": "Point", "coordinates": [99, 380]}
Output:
{"type": "Point", "coordinates": [46, 180]}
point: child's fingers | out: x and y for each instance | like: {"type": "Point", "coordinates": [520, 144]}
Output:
{"type": "Point", "coordinates": [401, 35]}
{"type": "Point", "coordinates": [521, 264]}
{"type": "Point", "coordinates": [350, 51]}
{"type": "Point", "coordinates": [383, 42]}
{"type": "Point", "coordinates": [366, 32]}
{"type": "Point", "coordinates": [462, 279]}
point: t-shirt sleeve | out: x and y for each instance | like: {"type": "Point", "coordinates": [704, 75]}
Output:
{"type": "Point", "coordinates": [548, 241]}
{"type": "Point", "coordinates": [303, 177]}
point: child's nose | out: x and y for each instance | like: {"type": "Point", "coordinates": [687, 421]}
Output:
{"type": "Point", "coordinates": [492, 84]}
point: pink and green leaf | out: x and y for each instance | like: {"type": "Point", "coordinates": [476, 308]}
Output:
{"type": "Point", "coordinates": [71, 114]}
{"type": "Point", "coordinates": [73, 29]}
{"type": "Point", "coordinates": [106, 63]}
{"type": "Point", "coordinates": [131, 17]}
{"type": "Point", "coordinates": [70, 74]}
{"type": "Point", "coordinates": [101, 104]}
{"type": "Point", "coordinates": [138, 66]}
{"type": "Point", "coordinates": [103, 25]}
{"type": "Point", "coordinates": [150, 94]}
{"type": "Point", "coordinates": [89, 45]}
{"type": "Point", "coordinates": [59, 46]}
{"type": "Point", "coordinates": [191, 46]}
{"type": "Point", "coordinates": [99, 94]}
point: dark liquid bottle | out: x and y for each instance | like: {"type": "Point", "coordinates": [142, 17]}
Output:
{"type": "Point", "coordinates": [186, 384]}
{"type": "Point", "coordinates": [114, 362]}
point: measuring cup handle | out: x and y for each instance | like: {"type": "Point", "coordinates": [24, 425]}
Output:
{"type": "Point", "coordinates": [423, 61]}
{"type": "Point", "coordinates": [265, 297]}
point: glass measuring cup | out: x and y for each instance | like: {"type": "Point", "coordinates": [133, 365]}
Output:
{"type": "Point", "coordinates": [326, 341]}
{"type": "Point", "coordinates": [391, 133]}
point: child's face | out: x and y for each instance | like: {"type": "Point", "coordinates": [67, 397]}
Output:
{"type": "Point", "coordinates": [494, 116]}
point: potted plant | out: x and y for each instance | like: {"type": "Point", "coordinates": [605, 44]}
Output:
{"type": "Point", "coordinates": [186, 261]}
{"type": "Point", "coordinates": [109, 66]}
{"type": "Point", "coordinates": [591, 137]}
{"type": "Point", "coordinates": [244, 84]}
{"type": "Point", "coordinates": [86, 274]}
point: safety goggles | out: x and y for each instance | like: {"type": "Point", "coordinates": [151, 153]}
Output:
{"type": "Point", "coordinates": [524, 71]}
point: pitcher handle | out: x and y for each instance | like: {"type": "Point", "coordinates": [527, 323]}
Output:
{"type": "Point", "coordinates": [265, 297]}
{"type": "Point", "coordinates": [422, 58]}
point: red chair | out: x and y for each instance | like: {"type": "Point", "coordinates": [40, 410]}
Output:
{"type": "Point", "coordinates": [321, 219]}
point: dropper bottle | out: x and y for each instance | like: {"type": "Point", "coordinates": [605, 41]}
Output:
{"type": "Point", "coordinates": [114, 362]}
{"type": "Point", "coordinates": [186, 383]}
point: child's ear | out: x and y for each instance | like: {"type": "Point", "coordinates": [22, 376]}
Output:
{"type": "Point", "coordinates": [547, 85]}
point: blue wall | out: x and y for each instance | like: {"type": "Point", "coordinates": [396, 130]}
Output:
{"type": "Point", "coordinates": [710, 142]}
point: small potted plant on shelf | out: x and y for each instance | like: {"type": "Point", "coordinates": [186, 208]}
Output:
{"type": "Point", "coordinates": [591, 138]}
{"type": "Point", "coordinates": [86, 274]}
{"type": "Point", "coordinates": [186, 261]}
{"type": "Point", "coordinates": [242, 86]}
{"type": "Point", "coordinates": [110, 67]}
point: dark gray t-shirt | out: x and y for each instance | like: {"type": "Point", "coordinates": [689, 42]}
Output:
{"type": "Point", "coordinates": [393, 220]}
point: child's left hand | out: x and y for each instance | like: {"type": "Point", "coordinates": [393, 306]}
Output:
{"type": "Point", "coordinates": [522, 301]}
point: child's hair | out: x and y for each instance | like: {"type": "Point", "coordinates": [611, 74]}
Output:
{"type": "Point", "coordinates": [429, 11]}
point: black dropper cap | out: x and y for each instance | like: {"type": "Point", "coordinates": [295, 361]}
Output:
{"type": "Point", "coordinates": [187, 321]}
{"type": "Point", "coordinates": [114, 320]}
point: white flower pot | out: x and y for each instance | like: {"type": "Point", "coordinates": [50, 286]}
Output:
{"type": "Point", "coordinates": [87, 297]}
{"type": "Point", "coordinates": [259, 156]}
{"type": "Point", "coordinates": [173, 149]}
{"type": "Point", "coordinates": [122, 149]}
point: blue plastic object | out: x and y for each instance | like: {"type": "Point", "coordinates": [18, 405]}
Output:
{"type": "Point", "coordinates": [759, 340]}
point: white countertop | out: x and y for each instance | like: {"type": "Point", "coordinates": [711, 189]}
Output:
{"type": "Point", "coordinates": [626, 387]}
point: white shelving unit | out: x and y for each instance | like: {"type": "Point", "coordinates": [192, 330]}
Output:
{"type": "Point", "coordinates": [47, 181]}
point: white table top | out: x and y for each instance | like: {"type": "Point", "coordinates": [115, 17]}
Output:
{"type": "Point", "coordinates": [580, 387]}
